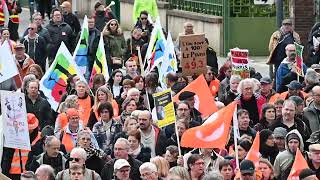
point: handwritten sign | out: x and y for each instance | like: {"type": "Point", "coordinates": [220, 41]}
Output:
{"type": "Point", "coordinates": [193, 54]}
{"type": "Point", "coordinates": [14, 116]}
{"type": "Point", "coordinates": [240, 62]}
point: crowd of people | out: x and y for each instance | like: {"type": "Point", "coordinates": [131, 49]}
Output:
{"type": "Point", "coordinates": [109, 132]}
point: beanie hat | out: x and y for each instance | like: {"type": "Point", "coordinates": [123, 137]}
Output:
{"type": "Point", "coordinates": [72, 112]}
{"type": "Point", "coordinates": [293, 136]}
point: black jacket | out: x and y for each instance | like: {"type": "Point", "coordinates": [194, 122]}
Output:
{"type": "Point", "coordinates": [107, 171]}
{"type": "Point", "coordinates": [41, 109]}
{"type": "Point", "coordinates": [94, 37]}
{"type": "Point", "coordinates": [145, 154]}
{"type": "Point", "coordinates": [73, 22]}
{"type": "Point", "coordinates": [60, 33]}
{"type": "Point", "coordinates": [40, 50]}
{"type": "Point", "coordinates": [95, 163]}
{"type": "Point", "coordinates": [212, 59]}
{"type": "Point", "coordinates": [57, 163]}
{"type": "Point", "coordinates": [101, 19]}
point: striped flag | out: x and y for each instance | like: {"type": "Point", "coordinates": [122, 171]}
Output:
{"type": "Point", "coordinates": [80, 54]}
{"type": "Point", "coordinates": [4, 14]}
{"type": "Point", "coordinates": [100, 64]}
{"type": "Point", "coordinates": [299, 58]}
{"type": "Point", "coordinates": [156, 48]}
{"type": "Point", "coordinates": [54, 82]}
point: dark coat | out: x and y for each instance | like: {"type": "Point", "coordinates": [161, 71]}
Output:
{"type": "Point", "coordinates": [40, 50]}
{"type": "Point", "coordinates": [145, 154]}
{"type": "Point", "coordinates": [212, 59]}
{"type": "Point", "coordinates": [57, 163]}
{"type": "Point", "coordinates": [132, 44]}
{"type": "Point", "coordinates": [60, 33]}
{"type": "Point", "coordinates": [94, 37]}
{"type": "Point", "coordinates": [95, 163]}
{"type": "Point", "coordinates": [107, 171]}
{"type": "Point", "coordinates": [101, 19]}
{"type": "Point", "coordinates": [73, 22]}
{"type": "Point", "coordinates": [41, 109]}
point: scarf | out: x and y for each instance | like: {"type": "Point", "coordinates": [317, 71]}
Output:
{"type": "Point", "coordinates": [136, 152]}
{"type": "Point", "coordinates": [91, 151]}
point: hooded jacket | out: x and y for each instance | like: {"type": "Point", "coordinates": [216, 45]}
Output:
{"type": "Point", "coordinates": [284, 160]}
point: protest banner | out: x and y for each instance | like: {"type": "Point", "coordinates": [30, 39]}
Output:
{"type": "Point", "coordinates": [193, 54]}
{"type": "Point", "coordinates": [164, 108]}
{"type": "Point", "coordinates": [8, 67]}
{"type": "Point", "coordinates": [240, 62]}
{"type": "Point", "coordinates": [14, 116]}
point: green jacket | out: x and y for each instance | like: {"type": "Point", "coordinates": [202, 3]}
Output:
{"type": "Point", "coordinates": [145, 5]}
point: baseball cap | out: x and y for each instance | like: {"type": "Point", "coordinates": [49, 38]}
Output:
{"type": "Point", "coordinates": [247, 167]}
{"type": "Point", "coordinates": [295, 85]}
{"type": "Point", "coordinates": [19, 46]}
{"type": "Point", "coordinates": [186, 95]}
{"type": "Point", "coordinates": [287, 21]}
{"type": "Point", "coordinates": [265, 80]}
{"type": "Point", "coordinates": [120, 163]}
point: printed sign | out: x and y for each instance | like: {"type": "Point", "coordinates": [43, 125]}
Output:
{"type": "Point", "coordinates": [193, 54]}
{"type": "Point", "coordinates": [164, 108]}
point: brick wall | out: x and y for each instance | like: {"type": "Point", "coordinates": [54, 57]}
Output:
{"type": "Point", "coordinates": [304, 18]}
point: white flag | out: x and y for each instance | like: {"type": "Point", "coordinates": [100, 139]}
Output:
{"type": "Point", "coordinates": [8, 67]}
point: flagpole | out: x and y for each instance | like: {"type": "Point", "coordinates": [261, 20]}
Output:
{"type": "Point", "coordinates": [235, 136]}
{"type": "Point", "coordinates": [148, 104]}
{"type": "Point", "coordinates": [140, 61]}
{"type": "Point", "coordinates": [176, 129]}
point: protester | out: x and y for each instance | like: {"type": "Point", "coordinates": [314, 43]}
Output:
{"type": "Point", "coordinates": [162, 165]}
{"type": "Point", "coordinates": [306, 174]}
{"type": "Point", "coordinates": [179, 173]}
{"type": "Point", "coordinates": [14, 10]}
{"type": "Point", "coordinates": [226, 97]}
{"type": "Point", "coordinates": [35, 46]}
{"type": "Point", "coordinates": [268, 117]}
{"type": "Point", "coordinates": [122, 169]}
{"type": "Point", "coordinates": [145, 25]}
{"type": "Point", "coordinates": [137, 150]}
{"type": "Point", "coordinates": [36, 70]}
{"type": "Point", "coordinates": [266, 88]}
{"type": "Point", "coordinates": [268, 148]}
{"type": "Point", "coordinates": [45, 172]}
{"type": "Point", "coordinates": [85, 100]}
{"type": "Point", "coordinates": [247, 170]}
{"type": "Point", "coordinates": [266, 169]}
{"type": "Point", "coordinates": [225, 168]}
{"type": "Point", "coordinates": [115, 44]}
{"type": "Point", "coordinates": [115, 83]}
{"type": "Point", "coordinates": [285, 158]}
{"type": "Point", "coordinates": [65, 35]}
{"type": "Point", "coordinates": [196, 166]}
{"type": "Point", "coordinates": [102, 16]}
{"type": "Point", "coordinates": [314, 162]}
{"type": "Point", "coordinates": [70, 18]}
{"type": "Point", "coordinates": [279, 135]}
{"type": "Point", "coordinates": [278, 42]}
{"type": "Point", "coordinates": [310, 114]}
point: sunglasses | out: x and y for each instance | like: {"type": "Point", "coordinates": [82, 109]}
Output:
{"type": "Point", "coordinates": [74, 159]}
{"type": "Point", "coordinates": [143, 18]}
{"type": "Point", "coordinates": [113, 24]}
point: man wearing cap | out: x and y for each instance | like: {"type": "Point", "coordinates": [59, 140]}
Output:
{"type": "Point", "coordinates": [278, 42]}
{"type": "Point", "coordinates": [294, 89]}
{"type": "Point", "coordinates": [14, 160]}
{"type": "Point", "coordinates": [188, 97]}
{"type": "Point", "coordinates": [23, 61]}
{"type": "Point", "coordinates": [121, 169]}
{"type": "Point", "coordinates": [266, 88]}
{"type": "Point", "coordinates": [312, 112]}
{"type": "Point", "coordinates": [288, 70]}
{"type": "Point", "coordinates": [279, 135]}
{"type": "Point", "coordinates": [247, 170]}
{"type": "Point", "coordinates": [70, 18]}
{"type": "Point", "coordinates": [289, 121]}
{"type": "Point", "coordinates": [314, 161]}
{"type": "Point", "coordinates": [284, 160]}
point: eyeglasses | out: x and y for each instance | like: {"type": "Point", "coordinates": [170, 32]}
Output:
{"type": "Point", "coordinates": [74, 159]}
{"type": "Point", "coordinates": [119, 149]}
{"type": "Point", "coordinates": [146, 175]}
{"type": "Point", "coordinates": [112, 24]}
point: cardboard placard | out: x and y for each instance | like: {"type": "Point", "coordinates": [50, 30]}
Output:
{"type": "Point", "coordinates": [193, 54]}
{"type": "Point", "coordinates": [240, 62]}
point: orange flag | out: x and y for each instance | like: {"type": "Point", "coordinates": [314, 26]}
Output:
{"type": "Point", "coordinates": [204, 101]}
{"type": "Point", "coordinates": [213, 133]}
{"type": "Point", "coordinates": [299, 164]}
{"type": "Point", "coordinates": [254, 153]}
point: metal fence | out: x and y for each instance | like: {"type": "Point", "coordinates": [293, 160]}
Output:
{"type": "Point", "coordinates": [212, 7]}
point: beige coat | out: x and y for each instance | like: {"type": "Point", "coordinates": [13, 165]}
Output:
{"type": "Point", "coordinates": [274, 40]}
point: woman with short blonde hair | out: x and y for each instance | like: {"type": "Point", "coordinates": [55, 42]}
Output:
{"type": "Point", "coordinates": [162, 166]}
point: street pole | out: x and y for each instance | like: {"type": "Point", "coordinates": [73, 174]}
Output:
{"type": "Point", "coordinates": [279, 14]}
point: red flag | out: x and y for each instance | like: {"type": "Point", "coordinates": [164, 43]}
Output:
{"type": "Point", "coordinates": [254, 153]}
{"type": "Point", "coordinates": [213, 133]}
{"type": "Point", "coordinates": [299, 164]}
{"type": "Point", "coordinates": [203, 98]}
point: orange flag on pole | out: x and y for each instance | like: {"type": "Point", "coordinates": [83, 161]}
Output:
{"type": "Point", "coordinates": [204, 101]}
{"type": "Point", "coordinates": [213, 133]}
{"type": "Point", "coordinates": [299, 164]}
{"type": "Point", "coordinates": [254, 152]}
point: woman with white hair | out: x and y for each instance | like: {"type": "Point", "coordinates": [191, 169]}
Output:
{"type": "Point", "coordinates": [45, 172]}
{"type": "Point", "coordinates": [149, 171]}
{"type": "Point", "coordinates": [249, 100]}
